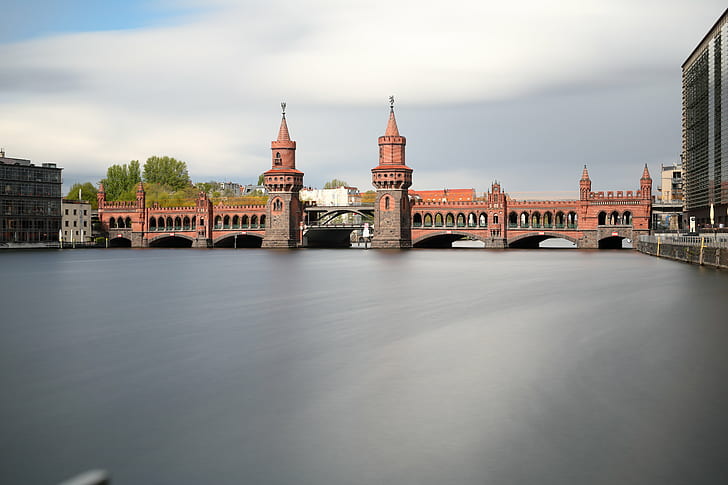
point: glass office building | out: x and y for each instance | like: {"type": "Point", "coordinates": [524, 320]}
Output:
{"type": "Point", "coordinates": [705, 126]}
{"type": "Point", "coordinates": [30, 201]}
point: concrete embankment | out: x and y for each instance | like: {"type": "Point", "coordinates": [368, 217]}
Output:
{"type": "Point", "coordinates": [695, 249]}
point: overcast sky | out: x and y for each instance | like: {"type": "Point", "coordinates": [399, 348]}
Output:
{"type": "Point", "coordinates": [523, 92]}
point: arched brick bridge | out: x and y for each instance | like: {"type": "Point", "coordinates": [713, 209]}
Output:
{"type": "Point", "coordinates": [399, 218]}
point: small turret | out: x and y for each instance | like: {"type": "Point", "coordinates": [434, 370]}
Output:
{"type": "Point", "coordinates": [141, 195]}
{"type": "Point", "coordinates": [101, 196]}
{"type": "Point", "coordinates": [584, 184]}
{"type": "Point", "coordinates": [646, 184]}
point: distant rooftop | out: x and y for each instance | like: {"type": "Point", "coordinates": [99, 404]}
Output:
{"type": "Point", "coordinates": [21, 161]}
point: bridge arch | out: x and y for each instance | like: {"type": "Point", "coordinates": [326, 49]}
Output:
{"type": "Point", "coordinates": [548, 219]}
{"type": "Point", "coordinates": [572, 219]}
{"type": "Point", "coordinates": [602, 218]}
{"type": "Point", "coordinates": [532, 241]}
{"type": "Point", "coordinates": [524, 219]}
{"type": "Point", "coordinates": [168, 241]}
{"type": "Point", "coordinates": [119, 242]}
{"type": "Point", "coordinates": [238, 240]}
{"type": "Point", "coordinates": [612, 242]}
{"type": "Point", "coordinates": [536, 219]}
{"type": "Point", "coordinates": [443, 239]}
{"type": "Point", "coordinates": [449, 220]}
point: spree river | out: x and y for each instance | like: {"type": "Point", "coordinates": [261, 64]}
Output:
{"type": "Point", "coordinates": [330, 367]}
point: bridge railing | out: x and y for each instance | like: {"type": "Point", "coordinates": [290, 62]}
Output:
{"type": "Point", "coordinates": [704, 240]}
{"type": "Point", "coordinates": [336, 225]}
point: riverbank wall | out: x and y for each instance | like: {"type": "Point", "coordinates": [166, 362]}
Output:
{"type": "Point", "coordinates": [701, 250]}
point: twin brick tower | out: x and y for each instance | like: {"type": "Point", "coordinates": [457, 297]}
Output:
{"type": "Point", "coordinates": [391, 178]}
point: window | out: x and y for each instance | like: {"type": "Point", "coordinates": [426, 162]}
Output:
{"type": "Point", "coordinates": [66, 223]}
{"type": "Point", "coordinates": [85, 223]}
{"type": "Point", "coordinates": [66, 211]}
{"type": "Point", "coordinates": [74, 212]}
{"type": "Point", "coordinates": [85, 212]}
{"type": "Point", "coordinates": [75, 223]}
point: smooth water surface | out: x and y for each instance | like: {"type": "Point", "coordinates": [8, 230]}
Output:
{"type": "Point", "coordinates": [329, 367]}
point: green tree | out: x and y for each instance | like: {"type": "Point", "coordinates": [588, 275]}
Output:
{"type": "Point", "coordinates": [88, 193]}
{"type": "Point", "coordinates": [207, 187]}
{"type": "Point", "coordinates": [166, 171]}
{"type": "Point", "coordinates": [335, 184]}
{"type": "Point", "coordinates": [120, 181]}
{"type": "Point", "coordinates": [261, 179]}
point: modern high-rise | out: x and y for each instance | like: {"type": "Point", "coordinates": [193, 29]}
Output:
{"type": "Point", "coordinates": [705, 126]}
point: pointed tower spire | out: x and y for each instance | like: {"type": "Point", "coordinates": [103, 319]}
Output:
{"type": "Point", "coordinates": [283, 134]}
{"type": "Point", "coordinates": [646, 173]}
{"type": "Point", "coordinates": [585, 174]}
{"type": "Point", "coordinates": [646, 183]}
{"type": "Point", "coordinates": [284, 149]}
{"type": "Point", "coordinates": [392, 129]}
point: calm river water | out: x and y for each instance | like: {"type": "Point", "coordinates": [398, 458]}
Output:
{"type": "Point", "coordinates": [330, 367]}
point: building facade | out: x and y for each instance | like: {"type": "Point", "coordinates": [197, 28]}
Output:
{"type": "Point", "coordinates": [76, 221]}
{"type": "Point", "coordinates": [671, 183]}
{"type": "Point", "coordinates": [705, 126]}
{"type": "Point", "coordinates": [30, 201]}
{"type": "Point", "coordinates": [340, 196]}
{"type": "Point", "coordinates": [667, 209]}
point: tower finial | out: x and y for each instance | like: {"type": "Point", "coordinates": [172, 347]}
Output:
{"type": "Point", "coordinates": [391, 103]}
{"type": "Point", "coordinates": [283, 108]}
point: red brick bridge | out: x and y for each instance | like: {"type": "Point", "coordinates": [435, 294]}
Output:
{"type": "Point", "coordinates": [399, 218]}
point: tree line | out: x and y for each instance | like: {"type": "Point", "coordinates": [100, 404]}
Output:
{"type": "Point", "coordinates": [166, 180]}
{"type": "Point", "coordinates": [163, 177]}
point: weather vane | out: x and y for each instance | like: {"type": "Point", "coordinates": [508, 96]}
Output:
{"type": "Point", "coordinates": [283, 107]}
{"type": "Point", "coordinates": [391, 103]}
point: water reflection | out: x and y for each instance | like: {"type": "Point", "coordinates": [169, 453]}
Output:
{"type": "Point", "coordinates": [329, 367]}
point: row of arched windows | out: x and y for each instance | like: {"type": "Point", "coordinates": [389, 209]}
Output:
{"type": "Point", "coordinates": [547, 220]}
{"type": "Point", "coordinates": [452, 220]}
{"type": "Point", "coordinates": [173, 224]}
{"type": "Point", "coordinates": [119, 222]}
{"type": "Point", "coordinates": [240, 222]}
{"type": "Point", "coordinates": [615, 218]}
